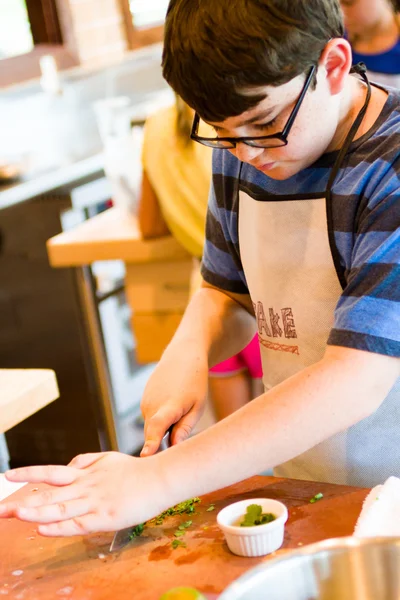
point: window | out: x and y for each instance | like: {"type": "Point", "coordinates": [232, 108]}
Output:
{"type": "Point", "coordinates": [147, 13]}
{"type": "Point", "coordinates": [28, 30]}
{"type": "Point", "coordinates": [144, 21]}
{"type": "Point", "coordinates": [15, 30]}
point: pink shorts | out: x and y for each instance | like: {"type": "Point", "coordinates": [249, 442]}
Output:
{"type": "Point", "coordinates": [248, 359]}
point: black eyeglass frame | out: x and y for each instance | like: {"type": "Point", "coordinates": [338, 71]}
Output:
{"type": "Point", "coordinates": [282, 135]}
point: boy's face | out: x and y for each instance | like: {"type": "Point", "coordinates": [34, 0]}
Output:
{"type": "Point", "coordinates": [312, 133]}
{"type": "Point", "coordinates": [361, 15]}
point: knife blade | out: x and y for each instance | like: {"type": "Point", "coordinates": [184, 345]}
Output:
{"type": "Point", "coordinates": [124, 536]}
{"type": "Point", "coordinates": [121, 539]}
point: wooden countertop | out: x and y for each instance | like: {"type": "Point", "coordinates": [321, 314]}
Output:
{"type": "Point", "coordinates": [111, 235]}
{"type": "Point", "coordinates": [23, 392]}
{"type": "Point", "coordinates": [36, 568]}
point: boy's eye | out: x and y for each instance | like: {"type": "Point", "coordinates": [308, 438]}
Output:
{"type": "Point", "coordinates": [261, 127]}
{"type": "Point", "coordinates": [264, 126]}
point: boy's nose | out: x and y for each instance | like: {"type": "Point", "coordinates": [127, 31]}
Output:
{"type": "Point", "coordinates": [247, 153]}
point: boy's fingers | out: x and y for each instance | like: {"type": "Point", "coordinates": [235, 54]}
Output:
{"type": "Point", "coordinates": [78, 526]}
{"type": "Point", "coordinates": [61, 511]}
{"type": "Point", "coordinates": [184, 428]}
{"type": "Point", "coordinates": [155, 429]}
{"type": "Point", "coordinates": [52, 474]}
{"type": "Point", "coordinates": [7, 510]}
{"type": "Point", "coordinates": [38, 499]}
{"type": "Point", "coordinates": [150, 447]}
{"type": "Point", "coordinates": [49, 496]}
{"type": "Point", "coordinates": [82, 461]}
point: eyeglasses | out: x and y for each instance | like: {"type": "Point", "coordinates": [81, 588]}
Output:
{"type": "Point", "coordinates": [274, 140]}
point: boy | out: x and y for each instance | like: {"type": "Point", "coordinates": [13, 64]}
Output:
{"type": "Point", "coordinates": [303, 232]}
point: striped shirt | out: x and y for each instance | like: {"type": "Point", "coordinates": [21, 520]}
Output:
{"type": "Point", "coordinates": [365, 205]}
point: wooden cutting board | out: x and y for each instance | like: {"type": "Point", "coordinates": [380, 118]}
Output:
{"type": "Point", "coordinates": [37, 568]}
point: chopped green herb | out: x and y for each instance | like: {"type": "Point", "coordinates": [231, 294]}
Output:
{"type": "Point", "coordinates": [210, 508]}
{"type": "Point", "coordinates": [255, 516]}
{"type": "Point", "coordinates": [179, 533]}
{"type": "Point", "coordinates": [185, 525]}
{"type": "Point", "coordinates": [136, 531]}
{"type": "Point", "coordinates": [181, 508]}
{"type": "Point", "coordinates": [176, 543]}
{"type": "Point", "coordinates": [316, 498]}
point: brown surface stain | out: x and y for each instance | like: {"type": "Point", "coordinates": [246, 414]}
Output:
{"type": "Point", "coordinates": [187, 559]}
{"type": "Point", "coordinates": [211, 533]}
{"type": "Point", "coordinates": [161, 552]}
{"type": "Point", "coordinates": [209, 589]}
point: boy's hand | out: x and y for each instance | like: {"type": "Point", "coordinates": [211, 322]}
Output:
{"type": "Point", "coordinates": [175, 394]}
{"type": "Point", "coordinates": [96, 492]}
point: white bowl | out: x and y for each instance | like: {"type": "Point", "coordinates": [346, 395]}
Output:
{"type": "Point", "coordinates": [258, 540]}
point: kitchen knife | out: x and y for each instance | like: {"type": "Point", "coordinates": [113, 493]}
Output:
{"type": "Point", "coordinates": [125, 536]}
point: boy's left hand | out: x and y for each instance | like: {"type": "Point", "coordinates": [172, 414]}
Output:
{"type": "Point", "coordinates": [95, 492]}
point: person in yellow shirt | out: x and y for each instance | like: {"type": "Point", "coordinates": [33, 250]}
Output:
{"type": "Point", "coordinates": [175, 186]}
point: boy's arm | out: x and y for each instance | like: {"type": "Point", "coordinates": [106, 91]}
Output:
{"type": "Point", "coordinates": [107, 491]}
{"type": "Point", "coordinates": [343, 388]}
{"type": "Point", "coordinates": [216, 325]}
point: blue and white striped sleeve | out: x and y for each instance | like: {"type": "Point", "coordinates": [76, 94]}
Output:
{"type": "Point", "coordinates": [221, 264]}
{"type": "Point", "coordinates": [367, 316]}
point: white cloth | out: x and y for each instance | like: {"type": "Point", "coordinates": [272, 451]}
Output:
{"type": "Point", "coordinates": [7, 487]}
{"type": "Point", "coordinates": [380, 514]}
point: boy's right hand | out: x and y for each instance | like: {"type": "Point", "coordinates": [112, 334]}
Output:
{"type": "Point", "coordinates": [175, 395]}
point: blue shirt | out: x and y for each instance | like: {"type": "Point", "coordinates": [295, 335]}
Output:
{"type": "Point", "coordinates": [366, 226]}
{"type": "Point", "coordinates": [387, 62]}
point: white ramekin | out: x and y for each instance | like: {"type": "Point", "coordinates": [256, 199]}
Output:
{"type": "Point", "coordinates": [258, 540]}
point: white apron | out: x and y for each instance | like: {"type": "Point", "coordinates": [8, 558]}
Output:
{"type": "Point", "coordinates": [294, 285]}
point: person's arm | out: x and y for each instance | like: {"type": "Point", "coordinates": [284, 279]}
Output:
{"type": "Point", "coordinates": [343, 388]}
{"type": "Point", "coordinates": [216, 325]}
{"type": "Point", "coordinates": [104, 492]}
{"type": "Point", "coordinates": [150, 217]}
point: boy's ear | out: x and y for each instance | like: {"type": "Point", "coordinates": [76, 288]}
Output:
{"type": "Point", "coordinates": [337, 60]}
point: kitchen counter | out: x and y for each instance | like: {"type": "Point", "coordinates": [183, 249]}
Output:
{"type": "Point", "coordinates": [23, 392]}
{"type": "Point", "coordinates": [158, 273]}
{"type": "Point", "coordinates": [34, 185]}
{"type": "Point", "coordinates": [36, 568]}
{"type": "Point", "coordinates": [111, 235]}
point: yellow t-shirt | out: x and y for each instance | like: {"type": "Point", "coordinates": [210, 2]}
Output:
{"type": "Point", "coordinates": [180, 176]}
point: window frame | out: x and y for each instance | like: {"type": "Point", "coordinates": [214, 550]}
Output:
{"type": "Point", "coordinates": [51, 33]}
{"type": "Point", "coordinates": [139, 36]}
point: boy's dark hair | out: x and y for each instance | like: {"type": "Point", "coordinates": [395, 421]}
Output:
{"type": "Point", "coordinates": [215, 51]}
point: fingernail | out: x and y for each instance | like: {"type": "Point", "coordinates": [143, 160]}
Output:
{"type": "Point", "coordinates": [144, 451]}
{"type": "Point", "coordinates": [23, 512]}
